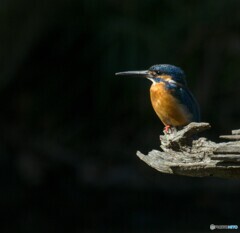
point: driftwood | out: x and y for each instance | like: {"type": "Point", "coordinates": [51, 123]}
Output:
{"type": "Point", "coordinates": [183, 153]}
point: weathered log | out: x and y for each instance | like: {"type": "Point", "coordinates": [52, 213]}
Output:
{"type": "Point", "coordinates": [226, 158]}
{"type": "Point", "coordinates": [231, 137]}
{"type": "Point", "coordinates": [183, 153]}
{"type": "Point", "coordinates": [228, 149]}
{"type": "Point", "coordinates": [236, 131]}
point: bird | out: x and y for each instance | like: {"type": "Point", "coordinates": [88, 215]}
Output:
{"type": "Point", "coordinates": [170, 96]}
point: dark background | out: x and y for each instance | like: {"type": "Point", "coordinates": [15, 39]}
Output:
{"type": "Point", "coordinates": [70, 129]}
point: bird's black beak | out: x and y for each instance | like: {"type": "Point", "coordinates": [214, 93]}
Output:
{"type": "Point", "coordinates": [141, 74]}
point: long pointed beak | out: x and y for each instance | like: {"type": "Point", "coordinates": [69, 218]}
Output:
{"type": "Point", "coordinates": [141, 73]}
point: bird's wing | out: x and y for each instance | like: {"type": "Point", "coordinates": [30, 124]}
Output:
{"type": "Point", "coordinates": [187, 99]}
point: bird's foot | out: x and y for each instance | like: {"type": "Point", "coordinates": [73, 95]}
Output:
{"type": "Point", "coordinates": [169, 129]}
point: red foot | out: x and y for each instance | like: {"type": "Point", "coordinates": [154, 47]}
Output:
{"type": "Point", "coordinates": [166, 129]}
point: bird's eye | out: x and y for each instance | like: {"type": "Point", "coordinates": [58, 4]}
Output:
{"type": "Point", "coordinates": [158, 72]}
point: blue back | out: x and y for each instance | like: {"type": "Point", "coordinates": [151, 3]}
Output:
{"type": "Point", "coordinates": [185, 97]}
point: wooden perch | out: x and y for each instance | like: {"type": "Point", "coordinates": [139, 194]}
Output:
{"type": "Point", "coordinates": [183, 153]}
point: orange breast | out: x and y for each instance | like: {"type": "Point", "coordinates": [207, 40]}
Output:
{"type": "Point", "coordinates": [168, 108]}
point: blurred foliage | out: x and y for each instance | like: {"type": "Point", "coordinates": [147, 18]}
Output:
{"type": "Point", "coordinates": [70, 128]}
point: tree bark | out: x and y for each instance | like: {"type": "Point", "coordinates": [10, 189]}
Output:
{"type": "Point", "coordinates": [183, 153]}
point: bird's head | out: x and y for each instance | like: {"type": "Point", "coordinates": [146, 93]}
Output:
{"type": "Point", "coordinates": [160, 73]}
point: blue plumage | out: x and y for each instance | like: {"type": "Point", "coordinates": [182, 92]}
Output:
{"type": "Point", "coordinates": [186, 98]}
{"type": "Point", "coordinates": [171, 99]}
{"type": "Point", "coordinates": [178, 88]}
{"type": "Point", "coordinates": [175, 72]}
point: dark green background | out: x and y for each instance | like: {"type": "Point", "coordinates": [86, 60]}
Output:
{"type": "Point", "coordinates": [70, 129]}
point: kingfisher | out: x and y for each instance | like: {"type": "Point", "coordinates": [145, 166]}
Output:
{"type": "Point", "coordinates": [170, 96]}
